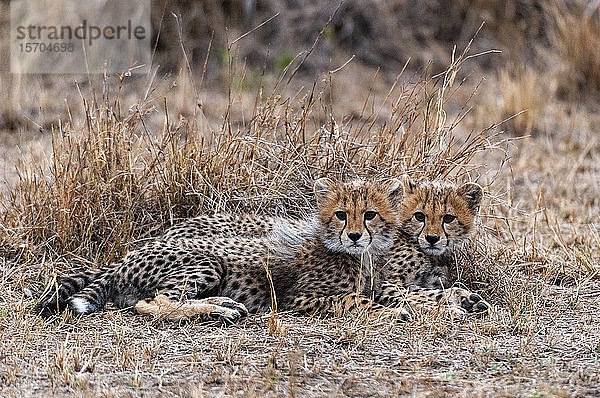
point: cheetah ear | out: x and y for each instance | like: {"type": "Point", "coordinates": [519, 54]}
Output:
{"type": "Point", "coordinates": [472, 193]}
{"type": "Point", "coordinates": [321, 188]}
{"type": "Point", "coordinates": [408, 184]}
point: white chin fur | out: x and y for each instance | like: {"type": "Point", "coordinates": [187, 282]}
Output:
{"type": "Point", "coordinates": [434, 251]}
{"type": "Point", "coordinates": [80, 305]}
{"type": "Point", "coordinates": [337, 246]}
{"type": "Point", "coordinates": [356, 250]}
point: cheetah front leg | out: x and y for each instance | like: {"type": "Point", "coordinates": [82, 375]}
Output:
{"type": "Point", "coordinates": [221, 309]}
{"type": "Point", "coordinates": [184, 294]}
{"type": "Point", "coordinates": [458, 300]}
{"type": "Point", "coordinates": [345, 304]}
{"type": "Point", "coordinates": [470, 302]}
{"type": "Point", "coordinates": [391, 295]}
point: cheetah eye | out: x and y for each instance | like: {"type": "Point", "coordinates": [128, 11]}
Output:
{"type": "Point", "coordinates": [369, 215]}
{"type": "Point", "coordinates": [420, 217]}
{"type": "Point", "coordinates": [448, 218]}
{"type": "Point", "coordinates": [341, 215]}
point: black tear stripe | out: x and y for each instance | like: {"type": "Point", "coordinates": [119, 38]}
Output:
{"type": "Point", "coordinates": [421, 231]}
{"type": "Point", "coordinates": [445, 233]}
{"type": "Point", "coordinates": [343, 229]}
{"type": "Point", "coordinates": [368, 230]}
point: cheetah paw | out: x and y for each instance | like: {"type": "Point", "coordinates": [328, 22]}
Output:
{"type": "Point", "coordinates": [221, 309]}
{"type": "Point", "coordinates": [475, 304]}
{"type": "Point", "coordinates": [471, 303]}
{"type": "Point", "coordinates": [227, 310]}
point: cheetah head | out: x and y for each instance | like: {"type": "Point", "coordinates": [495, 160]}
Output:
{"type": "Point", "coordinates": [357, 217]}
{"type": "Point", "coordinates": [439, 215]}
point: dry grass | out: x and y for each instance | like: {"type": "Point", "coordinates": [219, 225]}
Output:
{"type": "Point", "coordinates": [113, 179]}
{"type": "Point", "coordinates": [522, 94]}
{"type": "Point", "coordinates": [576, 34]}
{"type": "Point", "coordinates": [134, 156]}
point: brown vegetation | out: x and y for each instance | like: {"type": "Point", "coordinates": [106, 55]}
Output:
{"type": "Point", "coordinates": [132, 156]}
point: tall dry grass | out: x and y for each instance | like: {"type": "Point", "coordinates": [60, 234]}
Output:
{"type": "Point", "coordinates": [113, 178]}
{"type": "Point", "coordinates": [575, 34]}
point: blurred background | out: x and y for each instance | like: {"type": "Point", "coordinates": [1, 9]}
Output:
{"type": "Point", "coordinates": [538, 60]}
{"type": "Point", "coordinates": [548, 49]}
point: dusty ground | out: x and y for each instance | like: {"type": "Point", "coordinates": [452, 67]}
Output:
{"type": "Point", "coordinates": [549, 350]}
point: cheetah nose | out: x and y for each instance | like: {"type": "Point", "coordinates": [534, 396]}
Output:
{"type": "Point", "coordinates": [354, 236]}
{"type": "Point", "coordinates": [432, 239]}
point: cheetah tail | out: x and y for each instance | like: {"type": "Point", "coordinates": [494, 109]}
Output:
{"type": "Point", "coordinates": [55, 296]}
{"type": "Point", "coordinates": [92, 298]}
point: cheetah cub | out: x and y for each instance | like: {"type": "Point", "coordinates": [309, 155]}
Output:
{"type": "Point", "coordinates": [439, 216]}
{"type": "Point", "coordinates": [436, 217]}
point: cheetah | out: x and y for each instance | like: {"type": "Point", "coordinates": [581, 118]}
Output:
{"type": "Point", "coordinates": [439, 216]}
{"type": "Point", "coordinates": [234, 267]}
{"type": "Point", "coordinates": [436, 217]}
{"type": "Point", "coordinates": [339, 265]}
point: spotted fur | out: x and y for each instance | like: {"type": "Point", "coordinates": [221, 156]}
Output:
{"type": "Point", "coordinates": [337, 259]}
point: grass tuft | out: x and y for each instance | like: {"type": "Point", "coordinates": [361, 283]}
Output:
{"type": "Point", "coordinates": [112, 179]}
